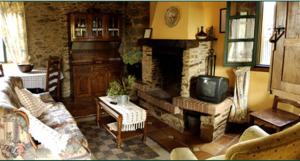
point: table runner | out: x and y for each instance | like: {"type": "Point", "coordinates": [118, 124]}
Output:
{"type": "Point", "coordinates": [134, 117]}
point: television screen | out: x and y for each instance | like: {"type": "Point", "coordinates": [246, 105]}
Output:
{"type": "Point", "coordinates": [211, 88]}
{"type": "Point", "coordinates": [208, 87]}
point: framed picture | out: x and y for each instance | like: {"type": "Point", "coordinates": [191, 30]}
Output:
{"type": "Point", "coordinates": [147, 33]}
{"type": "Point", "coordinates": [223, 20]}
{"type": "Point", "coordinates": [1, 71]}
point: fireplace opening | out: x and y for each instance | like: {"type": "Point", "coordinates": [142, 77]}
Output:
{"type": "Point", "coordinates": [167, 68]}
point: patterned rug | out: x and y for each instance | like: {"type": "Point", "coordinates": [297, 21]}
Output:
{"type": "Point", "coordinates": [103, 145]}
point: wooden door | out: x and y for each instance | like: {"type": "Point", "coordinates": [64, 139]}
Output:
{"type": "Point", "coordinates": [82, 81]}
{"type": "Point", "coordinates": [285, 73]}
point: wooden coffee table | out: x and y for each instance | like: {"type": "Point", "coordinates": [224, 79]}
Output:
{"type": "Point", "coordinates": [113, 116]}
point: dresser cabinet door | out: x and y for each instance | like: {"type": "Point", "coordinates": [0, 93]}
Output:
{"type": "Point", "coordinates": [115, 73]}
{"type": "Point", "coordinates": [100, 80]}
{"type": "Point", "coordinates": [82, 81]}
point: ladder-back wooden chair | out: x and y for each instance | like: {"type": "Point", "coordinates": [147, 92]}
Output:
{"type": "Point", "coordinates": [53, 81]}
{"type": "Point", "coordinates": [275, 117]}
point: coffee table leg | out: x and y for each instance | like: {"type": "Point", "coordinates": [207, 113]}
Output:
{"type": "Point", "coordinates": [145, 132]}
{"type": "Point", "coordinates": [119, 138]}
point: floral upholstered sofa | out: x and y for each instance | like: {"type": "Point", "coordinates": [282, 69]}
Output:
{"type": "Point", "coordinates": [16, 141]}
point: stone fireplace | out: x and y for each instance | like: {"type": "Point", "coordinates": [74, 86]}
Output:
{"type": "Point", "coordinates": [185, 59]}
{"type": "Point", "coordinates": [167, 69]}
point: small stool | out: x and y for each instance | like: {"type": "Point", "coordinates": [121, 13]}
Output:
{"type": "Point", "coordinates": [275, 118]}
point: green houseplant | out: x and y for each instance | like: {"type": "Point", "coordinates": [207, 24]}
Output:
{"type": "Point", "coordinates": [119, 90]}
{"type": "Point", "coordinates": [132, 58]}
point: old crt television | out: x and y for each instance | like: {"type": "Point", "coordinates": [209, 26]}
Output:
{"type": "Point", "coordinates": [211, 88]}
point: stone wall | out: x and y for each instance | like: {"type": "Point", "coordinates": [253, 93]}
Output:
{"type": "Point", "coordinates": [193, 65]}
{"type": "Point", "coordinates": [147, 66]}
{"type": "Point", "coordinates": [47, 28]}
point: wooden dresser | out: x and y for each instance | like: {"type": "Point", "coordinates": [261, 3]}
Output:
{"type": "Point", "coordinates": [94, 58]}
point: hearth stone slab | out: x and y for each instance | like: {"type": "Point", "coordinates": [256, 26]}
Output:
{"type": "Point", "coordinates": [175, 121]}
{"type": "Point", "coordinates": [193, 104]}
{"type": "Point", "coordinates": [158, 102]}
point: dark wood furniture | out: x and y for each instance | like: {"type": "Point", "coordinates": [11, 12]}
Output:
{"type": "Point", "coordinates": [274, 117]}
{"type": "Point", "coordinates": [118, 135]}
{"type": "Point", "coordinates": [1, 71]}
{"type": "Point", "coordinates": [53, 81]}
{"type": "Point", "coordinates": [95, 27]}
{"type": "Point", "coordinates": [94, 57]}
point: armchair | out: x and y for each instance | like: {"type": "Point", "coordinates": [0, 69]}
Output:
{"type": "Point", "coordinates": [256, 144]}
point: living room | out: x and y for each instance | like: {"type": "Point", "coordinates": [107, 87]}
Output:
{"type": "Point", "coordinates": [204, 74]}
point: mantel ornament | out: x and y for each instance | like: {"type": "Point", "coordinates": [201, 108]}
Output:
{"type": "Point", "coordinates": [172, 16]}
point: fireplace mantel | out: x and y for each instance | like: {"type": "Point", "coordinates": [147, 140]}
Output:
{"type": "Point", "coordinates": [173, 43]}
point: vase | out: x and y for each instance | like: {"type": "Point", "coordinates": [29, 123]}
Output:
{"type": "Point", "coordinates": [123, 99]}
{"type": "Point", "coordinates": [201, 35]}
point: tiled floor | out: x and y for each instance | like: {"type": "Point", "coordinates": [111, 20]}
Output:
{"type": "Point", "coordinates": [164, 139]}
{"type": "Point", "coordinates": [103, 146]}
{"type": "Point", "coordinates": [170, 138]}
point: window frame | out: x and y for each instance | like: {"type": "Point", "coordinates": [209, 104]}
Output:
{"type": "Point", "coordinates": [254, 39]}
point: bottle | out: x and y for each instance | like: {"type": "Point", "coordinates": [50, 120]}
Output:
{"type": "Point", "coordinates": [201, 35]}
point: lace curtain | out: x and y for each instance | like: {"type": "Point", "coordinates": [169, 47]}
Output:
{"type": "Point", "coordinates": [238, 113]}
{"type": "Point", "coordinates": [13, 31]}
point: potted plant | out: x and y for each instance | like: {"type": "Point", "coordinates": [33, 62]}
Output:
{"type": "Point", "coordinates": [119, 90]}
{"type": "Point", "coordinates": [132, 58]}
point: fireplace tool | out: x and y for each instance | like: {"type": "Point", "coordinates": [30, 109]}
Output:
{"type": "Point", "coordinates": [211, 63]}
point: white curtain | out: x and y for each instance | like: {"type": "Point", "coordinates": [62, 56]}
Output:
{"type": "Point", "coordinates": [13, 31]}
{"type": "Point", "coordinates": [238, 112]}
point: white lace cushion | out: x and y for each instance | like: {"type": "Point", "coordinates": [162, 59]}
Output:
{"type": "Point", "coordinates": [48, 137]}
{"type": "Point", "coordinates": [32, 103]}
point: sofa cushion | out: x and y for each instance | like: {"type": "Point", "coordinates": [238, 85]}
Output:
{"type": "Point", "coordinates": [49, 137]}
{"type": "Point", "coordinates": [59, 118]}
{"type": "Point", "coordinates": [13, 134]}
{"type": "Point", "coordinates": [7, 92]}
{"type": "Point", "coordinates": [34, 104]}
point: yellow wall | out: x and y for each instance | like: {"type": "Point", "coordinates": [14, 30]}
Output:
{"type": "Point", "coordinates": [195, 18]}
{"type": "Point", "coordinates": [160, 29]}
{"type": "Point", "coordinates": [194, 15]}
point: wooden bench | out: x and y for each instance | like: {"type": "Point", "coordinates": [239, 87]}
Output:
{"type": "Point", "coordinates": [274, 117]}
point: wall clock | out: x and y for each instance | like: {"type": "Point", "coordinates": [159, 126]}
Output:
{"type": "Point", "coordinates": [172, 16]}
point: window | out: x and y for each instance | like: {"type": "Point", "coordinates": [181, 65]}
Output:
{"type": "Point", "coordinates": [249, 27]}
{"type": "Point", "coordinates": [267, 25]}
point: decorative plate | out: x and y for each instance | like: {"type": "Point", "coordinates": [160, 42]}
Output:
{"type": "Point", "coordinates": [172, 16]}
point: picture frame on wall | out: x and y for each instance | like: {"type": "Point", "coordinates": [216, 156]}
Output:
{"type": "Point", "coordinates": [223, 20]}
{"type": "Point", "coordinates": [148, 33]}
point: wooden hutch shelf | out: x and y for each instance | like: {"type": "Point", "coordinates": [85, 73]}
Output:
{"type": "Point", "coordinates": [94, 58]}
